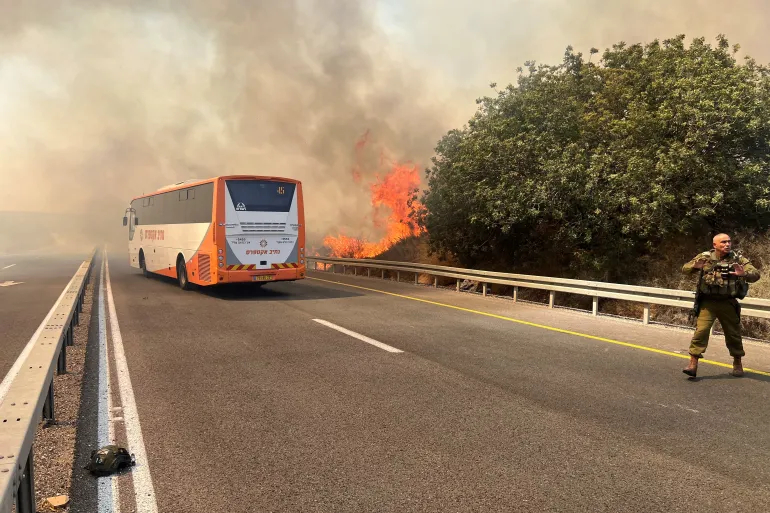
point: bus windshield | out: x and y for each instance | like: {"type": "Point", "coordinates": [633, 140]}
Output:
{"type": "Point", "coordinates": [261, 195]}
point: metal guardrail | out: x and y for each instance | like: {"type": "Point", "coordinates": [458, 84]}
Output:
{"type": "Point", "coordinates": [646, 295]}
{"type": "Point", "coordinates": [30, 396]}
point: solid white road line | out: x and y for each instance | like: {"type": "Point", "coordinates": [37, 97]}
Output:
{"type": "Point", "coordinates": [144, 491]}
{"type": "Point", "coordinates": [5, 385]}
{"type": "Point", "coordinates": [363, 338]}
{"type": "Point", "coordinates": [107, 486]}
{"type": "Point", "coordinates": [7, 267]}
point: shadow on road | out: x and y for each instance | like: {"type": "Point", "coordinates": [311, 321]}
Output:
{"type": "Point", "coordinates": [277, 291]}
{"type": "Point", "coordinates": [746, 375]}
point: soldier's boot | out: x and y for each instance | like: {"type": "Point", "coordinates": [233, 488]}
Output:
{"type": "Point", "coordinates": [737, 367]}
{"type": "Point", "coordinates": [692, 369]}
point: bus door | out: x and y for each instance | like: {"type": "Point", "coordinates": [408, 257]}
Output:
{"type": "Point", "coordinates": [129, 220]}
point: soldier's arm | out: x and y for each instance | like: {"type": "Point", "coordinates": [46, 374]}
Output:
{"type": "Point", "coordinates": [690, 267]}
{"type": "Point", "coordinates": [752, 274]}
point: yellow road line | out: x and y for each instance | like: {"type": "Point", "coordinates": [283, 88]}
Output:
{"type": "Point", "coordinates": [543, 326]}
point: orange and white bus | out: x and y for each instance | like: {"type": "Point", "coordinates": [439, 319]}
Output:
{"type": "Point", "coordinates": [221, 230]}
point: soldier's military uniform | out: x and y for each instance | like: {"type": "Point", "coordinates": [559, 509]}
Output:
{"type": "Point", "coordinates": [718, 300]}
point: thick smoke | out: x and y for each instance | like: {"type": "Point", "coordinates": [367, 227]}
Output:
{"type": "Point", "coordinates": [108, 101]}
{"type": "Point", "coordinates": [103, 101]}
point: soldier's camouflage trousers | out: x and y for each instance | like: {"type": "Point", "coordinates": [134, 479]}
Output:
{"type": "Point", "coordinates": [729, 318]}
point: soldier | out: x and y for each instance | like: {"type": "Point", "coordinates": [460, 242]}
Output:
{"type": "Point", "coordinates": [721, 284]}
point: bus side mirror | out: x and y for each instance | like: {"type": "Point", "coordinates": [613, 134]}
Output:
{"type": "Point", "coordinates": [125, 221]}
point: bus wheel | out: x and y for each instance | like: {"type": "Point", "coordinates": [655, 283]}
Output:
{"type": "Point", "coordinates": [143, 266]}
{"type": "Point", "coordinates": [181, 275]}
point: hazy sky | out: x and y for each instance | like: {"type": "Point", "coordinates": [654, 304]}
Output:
{"type": "Point", "coordinates": [476, 42]}
{"type": "Point", "coordinates": [103, 101]}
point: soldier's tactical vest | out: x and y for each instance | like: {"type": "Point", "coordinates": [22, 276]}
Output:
{"type": "Point", "coordinates": [713, 284]}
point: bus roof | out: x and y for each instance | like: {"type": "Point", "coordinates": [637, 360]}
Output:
{"type": "Point", "coordinates": [193, 182]}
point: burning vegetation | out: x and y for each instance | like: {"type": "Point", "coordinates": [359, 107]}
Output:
{"type": "Point", "coordinates": [391, 209]}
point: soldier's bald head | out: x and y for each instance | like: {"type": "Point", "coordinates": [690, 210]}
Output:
{"type": "Point", "coordinates": [722, 243]}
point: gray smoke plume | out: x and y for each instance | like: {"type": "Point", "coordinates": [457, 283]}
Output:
{"type": "Point", "coordinates": [104, 101]}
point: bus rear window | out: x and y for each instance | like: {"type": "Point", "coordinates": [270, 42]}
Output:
{"type": "Point", "coordinates": [261, 195]}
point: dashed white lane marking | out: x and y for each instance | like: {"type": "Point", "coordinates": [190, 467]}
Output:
{"type": "Point", "coordinates": [360, 337]}
{"type": "Point", "coordinates": [7, 267]}
{"type": "Point", "coordinates": [144, 491]}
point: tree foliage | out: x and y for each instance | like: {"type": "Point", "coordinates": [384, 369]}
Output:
{"type": "Point", "coordinates": [599, 163]}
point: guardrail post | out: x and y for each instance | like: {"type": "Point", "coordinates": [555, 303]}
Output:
{"type": "Point", "coordinates": [344, 269]}
{"type": "Point", "coordinates": [647, 314]}
{"type": "Point", "coordinates": [25, 497]}
{"type": "Point", "coordinates": [596, 305]}
{"type": "Point", "coordinates": [382, 274]}
{"type": "Point", "coordinates": [435, 282]}
{"type": "Point", "coordinates": [515, 293]}
{"type": "Point", "coordinates": [368, 272]}
{"type": "Point", "coordinates": [416, 278]}
{"type": "Point", "coordinates": [61, 363]}
{"type": "Point", "coordinates": [484, 289]}
{"type": "Point", "coordinates": [48, 406]}
{"type": "Point", "coordinates": [551, 298]}
{"type": "Point", "coordinates": [355, 270]}
{"type": "Point", "coordinates": [398, 275]}
{"type": "Point", "coordinates": [458, 285]}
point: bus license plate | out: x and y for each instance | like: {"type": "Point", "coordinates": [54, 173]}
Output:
{"type": "Point", "coordinates": [262, 277]}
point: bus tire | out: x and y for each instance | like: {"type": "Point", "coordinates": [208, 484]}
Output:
{"type": "Point", "coordinates": [143, 265]}
{"type": "Point", "coordinates": [181, 275]}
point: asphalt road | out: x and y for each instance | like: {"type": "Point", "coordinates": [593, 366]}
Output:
{"type": "Point", "coordinates": [37, 283]}
{"type": "Point", "coordinates": [248, 404]}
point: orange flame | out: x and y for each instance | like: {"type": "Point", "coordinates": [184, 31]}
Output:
{"type": "Point", "coordinates": [390, 197]}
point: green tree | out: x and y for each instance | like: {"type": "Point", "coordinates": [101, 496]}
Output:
{"type": "Point", "coordinates": [597, 164]}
